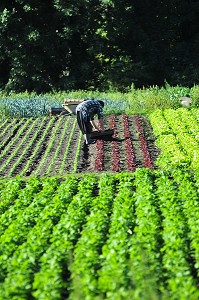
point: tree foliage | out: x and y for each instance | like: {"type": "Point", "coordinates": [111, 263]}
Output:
{"type": "Point", "coordinates": [67, 45]}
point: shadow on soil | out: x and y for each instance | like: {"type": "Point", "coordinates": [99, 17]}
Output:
{"type": "Point", "coordinates": [109, 138]}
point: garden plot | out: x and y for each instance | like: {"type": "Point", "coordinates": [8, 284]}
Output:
{"type": "Point", "coordinates": [49, 146]}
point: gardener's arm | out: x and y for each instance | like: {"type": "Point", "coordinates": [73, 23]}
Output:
{"type": "Point", "coordinates": [101, 125]}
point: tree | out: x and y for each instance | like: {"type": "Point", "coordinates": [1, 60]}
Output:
{"type": "Point", "coordinates": [46, 45]}
{"type": "Point", "coordinates": [57, 44]}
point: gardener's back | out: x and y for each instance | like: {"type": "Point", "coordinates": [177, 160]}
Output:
{"type": "Point", "coordinates": [89, 108]}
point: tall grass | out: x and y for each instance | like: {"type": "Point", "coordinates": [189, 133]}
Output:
{"type": "Point", "coordinates": [141, 101]}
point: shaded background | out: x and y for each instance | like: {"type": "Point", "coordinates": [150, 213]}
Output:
{"type": "Point", "coordinates": [92, 44]}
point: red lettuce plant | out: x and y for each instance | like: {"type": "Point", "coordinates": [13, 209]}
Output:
{"type": "Point", "coordinates": [147, 158]}
{"type": "Point", "coordinates": [100, 154]}
{"type": "Point", "coordinates": [114, 146]}
{"type": "Point", "coordinates": [130, 157]}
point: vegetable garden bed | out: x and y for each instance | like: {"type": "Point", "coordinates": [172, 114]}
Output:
{"type": "Point", "coordinates": [49, 146]}
{"type": "Point", "coordinates": [124, 226]}
{"type": "Point", "coordinates": [129, 235]}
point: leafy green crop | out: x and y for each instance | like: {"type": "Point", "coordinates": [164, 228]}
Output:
{"type": "Point", "coordinates": [144, 100]}
{"type": "Point", "coordinates": [105, 236]}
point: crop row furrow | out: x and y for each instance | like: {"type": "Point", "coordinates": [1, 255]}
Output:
{"type": "Point", "coordinates": [29, 143]}
{"type": "Point", "coordinates": [145, 241]}
{"type": "Point", "coordinates": [69, 140]}
{"type": "Point", "coordinates": [99, 161]}
{"type": "Point", "coordinates": [44, 161]}
{"type": "Point", "coordinates": [9, 192]}
{"type": "Point", "coordinates": [6, 128]}
{"type": "Point", "coordinates": [9, 140]}
{"type": "Point", "coordinates": [37, 152]}
{"type": "Point", "coordinates": [188, 193]}
{"type": "Point", "coordinates": [144, 146]}
{"type": "Point", "coordinates": [52, 280]}
{"type": "Point", "coordinates": [130, 156]}
{"type": "Point", "coordinates": [27, 255]}
{"type": "Point", "coordinates": [77, 154]}
{"type": "Point", "coordinates": [24, 198]}
{"type": "Point", "coordinates": [114, 145]}
{"type": "Point", "coordinates": [100, 155]}
{"type": "Point", "coordinates": [115, 252]}
{"type": "Point", "coordinates": [4, 123]}
{"type": "Point", "coordinates": [13, 152]}
{"type": "Point", "coordinates": [175, 249]}
{"type": "Point", "coordinates": [16, 233]}
{"type": "Point", "coordinates": [130, 235]}
{"type": "Point", "coordinates": [53, 162]}
{"type": "Point", "coordinates": [84, 279]}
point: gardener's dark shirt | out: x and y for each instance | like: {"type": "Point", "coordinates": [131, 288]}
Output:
{"type": "Point", "coordinates": [89, 108]}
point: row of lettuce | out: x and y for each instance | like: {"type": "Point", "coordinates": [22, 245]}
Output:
{"type": "Point", "coordinates": [177, 136]}
{"type": "Point", "coordinates": [108, 236]}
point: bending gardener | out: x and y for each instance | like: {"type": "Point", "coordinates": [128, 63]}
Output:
{"type": "Point", "coordinates": [85, 117]}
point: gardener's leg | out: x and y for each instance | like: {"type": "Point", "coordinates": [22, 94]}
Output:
{"type": "Point", "coordinates": [84, 127]}
{"type": "Point", "coordinates": [88, 132]}
{"type": "Point", "coordinates": [80, 122]}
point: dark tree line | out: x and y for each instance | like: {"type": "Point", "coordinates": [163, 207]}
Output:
{"type": "Point", "coordinates": [84, 44]}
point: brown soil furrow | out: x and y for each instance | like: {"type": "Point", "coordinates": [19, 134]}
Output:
{"type": "Point", "coordinates": [72, 151]}
{"type": "Point", "coordinates": [51, 143]}
{"type": "Point", "coordinates": [139, 156]}
{"type": "Point", "coordinates": [20, 160]}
